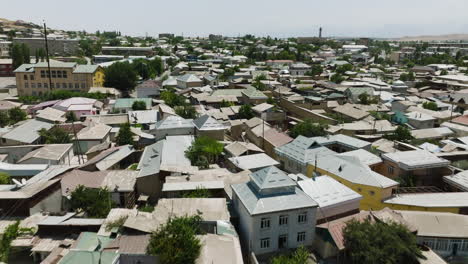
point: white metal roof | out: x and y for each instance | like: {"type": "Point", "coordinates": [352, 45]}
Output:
{"type": "Point", "coordinates": [326, 191]}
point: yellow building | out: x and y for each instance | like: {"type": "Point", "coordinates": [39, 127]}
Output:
{"type": "Point", "coordinates": [33, 79]}
{"type": "Point", "coordinates": [355, 174]}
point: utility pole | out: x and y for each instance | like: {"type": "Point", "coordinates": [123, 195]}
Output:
{"type": "Point", "coordinates": [47, 56]}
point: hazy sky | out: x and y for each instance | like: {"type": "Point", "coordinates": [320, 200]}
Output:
{"type": "Point", "coordinates": [281, 18]}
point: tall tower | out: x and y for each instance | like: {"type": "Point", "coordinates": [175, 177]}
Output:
{"type": "Point", "coordinates": [320, 32]}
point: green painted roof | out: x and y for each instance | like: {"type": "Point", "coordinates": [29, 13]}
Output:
{"type": "Point", "coordinates": [128, 102]}
{"type": "Point", "coordinates": [222, 92]}
{"type": "Point", "coordinates": [254, 93]}
{"type": "Point", "coordinates": [91, 241]}
{"type": "Point", "coordinates": [79, 257]}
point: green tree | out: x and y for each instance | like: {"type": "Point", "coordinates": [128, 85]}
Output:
{"type": "Point", "coordinates": [186, 111]}
{"type": "Point", "coordinates": [26, 53]}
{"type": "Point", "coordinates": [16, 114]}
{"type": "Point", "coordinates": [16, 54]}
{"type": "Point", "coordinates": [138, 105]}
{"type": "Point", "coordinates": [405, 77]}
{"type": "Point", "coordinates": [71, 117]}
{"type": "Point", "coordinates": [96, 203]}
{"type": "Point", "coordinates": [337, 78]}
{"type": "Point", "coordinates": [55, 135]}
{"type": "Point", "coordinates": [430, 105]}
{"type": "Point", "coordinates": [204, 151]}
{"type": "Point", "coordinates": [199, 192]}
{"type": "Point", "coordinates": [172, 99]}
{"type": "Point", "coordinates": [364, 98]}
{"type": "Point", "coordinates": [315, 70]}
{"type": "Point", "coordinates": [344, 68]}
{"type": "Point", "coordinates": [121, 76]}
{"type": "Point", "coordinates": [5, 178]}
{"type": "Point", "coordinates": [4, 119]}
{"type": "Point", "coordinates": [444, 72]}
{"type": "Point", "coordinates": [10, 234]}
{"type": "Point", "coordinates": [176, 242]}
{"type": "Point", "coordinates": [402, 133]}
{"type": "Point", "coordinates": [309, 129]}
{"type": "Point", "coordinates": [299, 256]}
{"type": "Point", "coordinates": [125, 136]}
{"type": "Point", "coordinates": [258, 82]}
{"type": "Point", "coordinates": [246, 112]}
{"type": "Point", "coordinates": [369, 242]}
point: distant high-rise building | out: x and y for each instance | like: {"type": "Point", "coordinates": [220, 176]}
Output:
{"type": "Point", "coordinates": [320, 32]}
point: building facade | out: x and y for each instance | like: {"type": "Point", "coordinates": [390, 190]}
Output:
{"type": "Point", "coordinates": [273, 212]}
{"type": "Point", "coordinates": [33, 79]}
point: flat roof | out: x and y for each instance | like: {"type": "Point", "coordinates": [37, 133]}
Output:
{"type": "Point", "coordinates": [431, 200]}
{"type": "Point", "coordinates": [415, 159]}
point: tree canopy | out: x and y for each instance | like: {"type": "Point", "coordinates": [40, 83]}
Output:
{"type": "Point", "coordinates": [125, 136]}
{"type": "Point", "coordinates": [16, 114]}
{"type": "Point", "coordinates": [401, 133]}
{"type": "Point", "coordinates": [309, 129]}
{"type": "Point", "coordinates": [176, 242]}
{"type": "Point", "coordinates": [369, 242]}
{"type": "Point", "coordinates": [204, 151]}
{"type": "Point", "coordinates": [55, 135]}
{"type": "Point", "coordinates": [299, 256]}
{"type": "Point", "coordinates": [138, 105]}
{"type": "Point", "coordinates": [246, 112]}
{"type": "Point", "coordinates": [96, 203]}
{"type": "Point", "coordinates": [186, 111]}
{"type": "Point", "coordinates": [430, 105]}
{"type": "Point", "coordinates": [366, 99]}
{"type": "Point", "coordinates": [5, 178]}
{"type": "Point", "coordinates": [121, 76]}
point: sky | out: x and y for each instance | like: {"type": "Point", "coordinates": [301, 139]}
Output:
{"type": "Point", "coordinates": [277, 18]}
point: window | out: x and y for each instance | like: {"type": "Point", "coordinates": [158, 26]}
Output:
{"type": "Point", "coordinates": [265, 223]}
{"type": "Point", "coordinates": [75, 77]}
{"type": "Point", "coordinates": [302, 217]}
{"type": "Point", "coordinates": [46, 85]}
{"type": "Point", "coordinates": [464, 247]}
{"type": "Point", "coordinates": [83, 85]}
{"type": "Point", "coordinates": [265, 242]}
{"type": "Point", "coordinates": [64, 73]}
{"type": "Point", "coordinates": [301, 236]}
{"type": "Point", "coordinates": [54, 74]}
{"type": "Point", "coordinates": [59, 74]}
{"type": "Point", "coordinates": [43, 74]}
{"type": "Point", "coordinates": [70, 85]}
{"type": "Point", "coordinates": [429, 242]}
{"type": "Point", "coordinates": [31, 77]}
{"type": "Point", "coordinates": [442, 244]}
{"type": "Point", "coordinates": [26, 85]}
{"type": "Point", "coordinates": [283, 241]}
{"type": "Point", "coordinates": [51, 86]}
{"type": "Point", "coordinates": [77, 86]}
{"type": "Point", "coordinates": [33, 85]}
{"type": "Point", "coordinates": [39, 85]}
{"type": "Point", "coordinates": [283, 220]}
{"type": "Point", "coordinates": [390, 169]}
{"type": "Point", "coordinates": [57, 85]}
{"type": "Point", "coordinates": [64, 85]}
{"type": "Point", "coordinates": [25, 77]}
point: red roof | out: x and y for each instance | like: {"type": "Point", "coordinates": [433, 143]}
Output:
{"type": "Point", "coordinates": [462, 120]}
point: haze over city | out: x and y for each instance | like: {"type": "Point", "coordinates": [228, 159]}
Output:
{"type": "Point", "coordinates": [278, 18]}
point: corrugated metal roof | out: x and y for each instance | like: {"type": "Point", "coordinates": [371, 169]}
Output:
{"type": "Point", "coordinates": [27, 132]}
